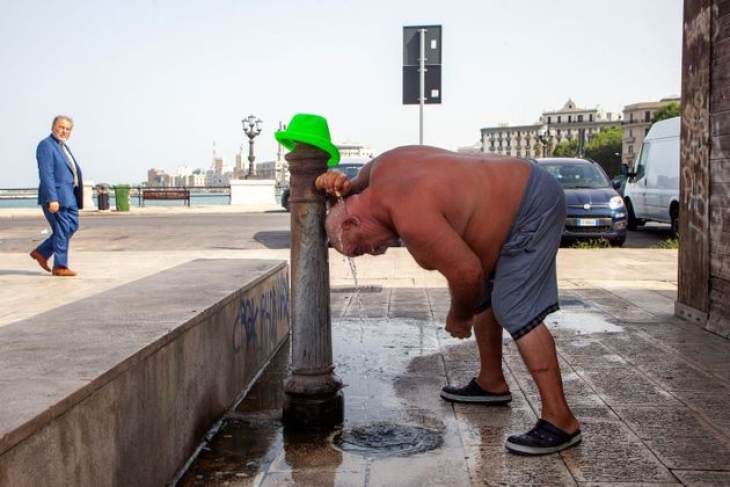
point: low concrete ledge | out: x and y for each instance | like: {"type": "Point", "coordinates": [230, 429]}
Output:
{"type": "Point", "coordinates": [118, 388]}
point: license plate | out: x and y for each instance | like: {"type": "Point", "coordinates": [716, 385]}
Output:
{"type": "Point", "coordinates": [587, 222]}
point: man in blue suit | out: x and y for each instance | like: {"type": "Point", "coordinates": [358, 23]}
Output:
{"type": "Point", "coordinates": [60, 194]}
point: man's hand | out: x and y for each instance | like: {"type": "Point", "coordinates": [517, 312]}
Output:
{"type": "Point", "coordinates": [333, 183]}
{"type": "Point", "coordinates": [459, 328]}
{"type": "Point", "coordinates": [53, 206]}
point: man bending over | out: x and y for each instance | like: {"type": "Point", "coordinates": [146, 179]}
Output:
{"type": "Point", "coordinates": [492, 227]}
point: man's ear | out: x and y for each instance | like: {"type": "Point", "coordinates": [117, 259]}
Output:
{"type": "Point", "coordinates": [350, 222]}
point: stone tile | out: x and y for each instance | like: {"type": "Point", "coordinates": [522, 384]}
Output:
{"type": "Point", "coordinates": [703, 478]}
{"type": "Point", "coordinates": [626, 386]}
{"type": "Point", "coordinates": [340, 479]}
{"type": "Point", "coordinates": [678, 436]}
{"type": "Point", "coordinates": [712, 405]}
{"type": "Point", "coordinates": [611, 453]}
{"type": "Point", "coordinates": [675, 374]}
{"type": "Point", "coordinates": [596, 362]}
{"type": "Point", "coordinates": [633, 347]}
{"type": "Point", "coordinates": [575, 347]}
{"type": "Point", "coordinates": [409, 303]}
{"type": "Point", "coordinates": [491, 430]}
{"type": "Point", "coordinates": [438, 467]}
{"type": "Point", "coordinates": [461, 356]}
{"type": "Point", "coordinates": [496, 466]}
{"type": "Point", "coordinates": [314, 452]}
{"type": "Point", "coordinates": [628, 484]}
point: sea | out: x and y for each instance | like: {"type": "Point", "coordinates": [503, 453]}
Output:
{"type": "Point", "coordinates": [195, 200]}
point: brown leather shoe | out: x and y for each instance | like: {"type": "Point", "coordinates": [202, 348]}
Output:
{"type": "Point", "coordinates": [42, 261]}
{"type": "Point", "coordinates": [63, 272]}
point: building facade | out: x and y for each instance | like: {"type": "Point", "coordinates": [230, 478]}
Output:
{"type": "Point", "coordinates": [553, 127]}
{"type": "Point", "coordinates": [266, 170]}
{"type": "Point", "coordinates": [637, 122]}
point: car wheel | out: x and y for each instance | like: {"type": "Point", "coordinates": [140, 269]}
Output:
{"type": "Point", "coordinates": [633, 223]}
{"type": "Point", "coordinates": [618, 242]}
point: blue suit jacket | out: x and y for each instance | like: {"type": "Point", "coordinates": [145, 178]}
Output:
{"type": "Point", "coordinates": [57, 180]}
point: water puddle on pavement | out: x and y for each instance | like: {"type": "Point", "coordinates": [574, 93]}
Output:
{"type": "Point", "coordinates": [388, 416]}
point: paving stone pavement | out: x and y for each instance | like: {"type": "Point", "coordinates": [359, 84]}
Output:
{"type": "Point", "coordinates": [652, 393]}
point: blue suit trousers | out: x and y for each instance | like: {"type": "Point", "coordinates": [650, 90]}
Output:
{"type": "Point", "coordinates": [64, 224]}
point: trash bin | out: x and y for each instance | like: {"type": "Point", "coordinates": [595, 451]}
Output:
{"type": "Point", "coordinates": [102, 197]}
{"type": "Point", "coordinates": [121, 195]}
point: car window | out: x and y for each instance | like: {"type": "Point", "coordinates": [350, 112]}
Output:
{"type": "Point", "coordinates": [578, 176]}
{"type": "Point", "coordinates": [643, 159]}
{"type": "Point", "coordinates": [350, 171]}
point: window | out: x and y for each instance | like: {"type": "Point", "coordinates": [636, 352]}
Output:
{"type": "Point", "coordinates": [570, 118]}
{"type": "Point", "coordinates": [643, 158]}
{"type": "Point", "coordinates": [647, 116]}
{"type": "Point", "coordinates": [580, 118]}
{"type": "Point", "coordinates": [631, 132]}
{"type": "Point", "coordinates": [590, 117]}
{"type": "Point", "coordinates": [631, 149]}
{"type": "Point", "coordinates": [550, 119]}
{"type": "Point", "coordinates": [631, 117]}
{"type": "Point", "coordinates": [558, 118]}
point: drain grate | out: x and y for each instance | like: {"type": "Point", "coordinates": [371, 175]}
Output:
{"type": "Point", "coordinates": [388, 439]}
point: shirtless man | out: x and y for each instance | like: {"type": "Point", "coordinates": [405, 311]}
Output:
{"type": "Point", "coordinates": [492, 227]}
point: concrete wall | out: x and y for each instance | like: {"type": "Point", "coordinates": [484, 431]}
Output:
{"type": "Point", "coordinates": [136, 423]}
{"type": "Point", "coordinates": [253, 194]}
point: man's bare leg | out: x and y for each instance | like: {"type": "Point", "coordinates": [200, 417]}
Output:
{"type": "Point", "coordinates": [488, 334]}
{"type": "Point", "coordinates": [538, 352]}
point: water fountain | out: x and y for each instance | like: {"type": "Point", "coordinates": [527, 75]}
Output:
{"type": "Point", "coordinates": [313, 392]}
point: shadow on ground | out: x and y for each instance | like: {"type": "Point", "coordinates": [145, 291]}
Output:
{"type": "Point", "coordinates": [273, 239]}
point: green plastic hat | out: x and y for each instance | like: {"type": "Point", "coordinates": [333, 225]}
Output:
{"type": "Point", "coordinates": [309, 129]}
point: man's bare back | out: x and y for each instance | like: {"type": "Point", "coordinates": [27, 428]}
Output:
{"type": "Point", "coordinates": [478, 195]}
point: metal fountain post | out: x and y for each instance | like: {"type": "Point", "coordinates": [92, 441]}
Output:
{"type": "Point", "coordinates": [313, 391]}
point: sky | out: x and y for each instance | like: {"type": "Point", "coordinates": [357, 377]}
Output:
{"type": "Point", "coordinates": [153, 83]}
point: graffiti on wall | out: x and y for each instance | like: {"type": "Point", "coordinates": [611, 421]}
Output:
{"type": "Point", "coordinates": [261, 311]}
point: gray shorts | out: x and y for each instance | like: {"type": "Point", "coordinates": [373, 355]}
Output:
{"type": "Point", "coordinates": [523, 288]}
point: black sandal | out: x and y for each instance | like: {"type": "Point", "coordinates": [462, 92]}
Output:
{"type": "Point", "coordinates": [543, 439]}
{"type": "Point", "coordinates": [473, 393]}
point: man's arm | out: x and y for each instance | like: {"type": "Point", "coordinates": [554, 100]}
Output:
{"type": "Point", "coordinates": [434, 244]}
{"type": "Point", "coordinates": [44, 156]}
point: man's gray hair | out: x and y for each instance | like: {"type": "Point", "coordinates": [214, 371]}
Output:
{"type": "Point", "coordinates": [62, 117]}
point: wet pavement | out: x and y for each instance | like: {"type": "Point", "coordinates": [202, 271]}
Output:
{"type": "Point", "coordinates": [652, 393]}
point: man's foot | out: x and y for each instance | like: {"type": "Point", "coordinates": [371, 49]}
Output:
{"type": "Point", "coordinates": [63, 272]}
{"type": "Point", "coordinates": [41, 259]}
{"type": "Point", "coordinates": [543, 439]}
{"type": "Point", "coordinates": [473, 393]}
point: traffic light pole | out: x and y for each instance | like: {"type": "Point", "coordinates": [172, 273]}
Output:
{"type": "Point", "coordinates": [422, 82]}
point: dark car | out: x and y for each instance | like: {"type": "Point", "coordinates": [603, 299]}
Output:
{"type": "Point", "coordinates": [351, 168]}
{"type": "Point", "coordinates": [595, 209]}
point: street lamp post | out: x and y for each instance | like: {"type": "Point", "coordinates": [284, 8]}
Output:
{"type": "Point", "coordinates": [252, 128]}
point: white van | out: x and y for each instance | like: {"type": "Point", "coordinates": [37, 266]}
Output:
{"type": "Point", "coordinates": [652, 192]}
